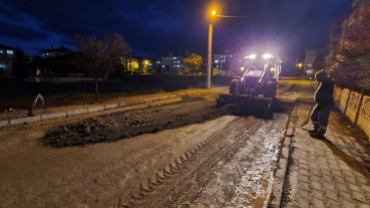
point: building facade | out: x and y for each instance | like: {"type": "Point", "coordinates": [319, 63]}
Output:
{"type": "Point", "coordinates": [338, 32]}
{"type": "Point", "coordinates": [222, 62]}
{"type": "Point", "coordinates": [140, 65]}
{"type": "Point", "coordinates": [311, 54]}
{"type": "Point", "coordinates": [6, 58]}
{"type": "Point", "coordinates": [174, 63]}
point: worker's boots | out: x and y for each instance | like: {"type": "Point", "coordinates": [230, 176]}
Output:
{"type": "Point", "coordinates": [319, 134]}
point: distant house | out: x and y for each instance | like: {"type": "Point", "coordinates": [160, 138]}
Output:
{"type": "Point", "coordinates": [50, 53]}
{"type": "Point", "coordinates": [57, 63]}
{"type": "Point", "coordinates": [141, 65]}
{"type": "Point", "coordinates": [6, 58]}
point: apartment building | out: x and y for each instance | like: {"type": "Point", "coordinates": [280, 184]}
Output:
{"type": "Point", "coordinates": [222, 62]}
{"type": "Point", "coordinates": [338, 31]}
{"type": "Point", "coordinates": [311, 54]}
{"type": "Point", "coordinates": [6, 58]}
{"type": "Point", "coordinates": [174, 63]}
{"type": "Point", "coordinates": [142, 65]}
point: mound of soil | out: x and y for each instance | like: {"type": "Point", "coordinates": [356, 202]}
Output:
{"type": "Point", "coordinates": [124, 125]}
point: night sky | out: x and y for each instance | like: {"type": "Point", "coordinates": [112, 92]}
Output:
{"type": "Point", "coordinates": [158, 27]}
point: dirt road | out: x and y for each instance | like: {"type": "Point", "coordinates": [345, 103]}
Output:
{"type": "Point", "coordinates": [180, 154]}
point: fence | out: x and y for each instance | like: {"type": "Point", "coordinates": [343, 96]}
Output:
{"type": "Point", "coordinates": [355, 106]}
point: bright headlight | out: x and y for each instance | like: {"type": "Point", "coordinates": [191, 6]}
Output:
{"type": "Point", "coordinates": [267, 56]}
{"type": "Point", "coordinates": [272, 69]}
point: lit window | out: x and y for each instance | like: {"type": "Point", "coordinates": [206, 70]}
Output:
{"type": "Point", "coordinates": [216, 66]}
{"type": "Point", "coordinates": [150, 64]}
{"type": "Point", "coordinates": [182, 65]}
{"type": "Point", "coordinates": [231, 56]}
{"type": "Point", "coordinates": [9, 52]}
{"type": "Point", "coordinates": [163, 66]}
{"type": "Point", "coordinates": [1, 52]}
{"type": "Point", "coordinates": [158, 62]}
{"type": "Point", "coordinates": [175, 58]}
{"type": "Point", "coordinates": [47, 54]}
{"type": "Point", "coordinates": [2, 66]}
{"type": "Point", "coordinates": [216, 61]}
{"type": "Point", "coordinates": [178, 62]}
{"type": "Point", "coordinates": [308, 71]}
{"type": "Point", "coordinates": [309, 65]}
{"type": "Point", "coordinates": [240, 60]}
{"type": "Point", "coordinates": [178, 65]}
{"type": "Point", "coordinates": [166, 58]}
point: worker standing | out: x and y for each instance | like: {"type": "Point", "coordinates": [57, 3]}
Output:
{"type": "Point", "coordinates": [324, 103]}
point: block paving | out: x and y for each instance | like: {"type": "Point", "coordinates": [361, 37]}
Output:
{"type": "Point", "coordinates": [329, 173]}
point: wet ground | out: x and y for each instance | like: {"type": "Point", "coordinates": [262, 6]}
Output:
{"type": "Point", "coordinates": [181, 154]}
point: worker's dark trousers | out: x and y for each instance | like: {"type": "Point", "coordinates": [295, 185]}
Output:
{"type": "Point", "coordinates": [320, 116]}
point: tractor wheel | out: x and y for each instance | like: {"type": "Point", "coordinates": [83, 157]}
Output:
{"type": "Point", "coordinates": [234, 86]}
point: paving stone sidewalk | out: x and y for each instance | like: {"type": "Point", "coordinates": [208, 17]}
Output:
{"type": "Point", "coordinates": [327, 173]}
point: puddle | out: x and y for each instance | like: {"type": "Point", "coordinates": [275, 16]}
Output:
{"type": "Point", "coordinates": [261, 197]}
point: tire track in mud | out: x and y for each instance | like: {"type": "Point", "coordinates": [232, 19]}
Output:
{"type": "Point", "coordinates": [192, 170]}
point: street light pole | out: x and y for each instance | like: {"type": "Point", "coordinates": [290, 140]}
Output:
{"type": "Point", "coordinates": [209, 64]}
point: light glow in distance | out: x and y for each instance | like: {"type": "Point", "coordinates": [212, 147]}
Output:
{"type": "Point", "coordinates": [253, 56]}
{"type": "Point", "coordinates": [214, 12]}
{"type": "Point", "coordinates": [267, 56]}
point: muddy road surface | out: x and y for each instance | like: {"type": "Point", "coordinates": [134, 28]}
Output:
{"type": "Point", "coordinates": [181, 154]}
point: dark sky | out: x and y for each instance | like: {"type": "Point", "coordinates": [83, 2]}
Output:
{"type": "Point", "coordinates": [158, 27]}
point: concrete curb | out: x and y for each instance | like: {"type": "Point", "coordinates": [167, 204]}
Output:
{"type": "Point", "coordinates": [108, 107]}
{"type": "Point", "coordinates": [76, 112]}
{"type": "Point", "coordinates": [25, 120]}
{"type": "Point", "coordinates": [277, 187]}
{"type": "Point", "coordinates": [44, 117]}
{"type": "Point", "coordinates": [4, 123]}
{"type": "Point", "coordinates": [96, 109]}
{"type": "Point", "coordinates": [53, 115]}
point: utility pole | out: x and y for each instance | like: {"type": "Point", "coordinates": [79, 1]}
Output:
{"type": "Point", "coordinates": [209, 63]}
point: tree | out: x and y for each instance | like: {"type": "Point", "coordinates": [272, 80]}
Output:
{"type": "Point", "coordinates": [319, 63]}
{"type": "Point", "coordinates": [19, 65]}
{"type": "Point", "coordinates": [97, 57]}
{"type": "Point", "coordinates": [193, 62]}
{"type": "Point", "coordinates": [354, 61]}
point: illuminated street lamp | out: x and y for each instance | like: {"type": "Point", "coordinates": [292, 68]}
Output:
{"type": "Point", "coordinates": [210, 33]}
{"type": "Point", "coordinates": [212, 14]}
